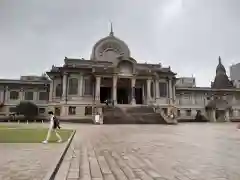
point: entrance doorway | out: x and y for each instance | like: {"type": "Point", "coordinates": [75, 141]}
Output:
{"type": "Point", "coordinates": [57, 111]}
{"type": "Point", "coordinates": [105, 94]}
{"type": "Point", "coordinates": [138, 96]}
{"type": "Point", "coordinates": [122, 96]}
{"type": "Point", "coordinates": [123, 91]}
{"type": "Point", "coordinates": [220, 115]}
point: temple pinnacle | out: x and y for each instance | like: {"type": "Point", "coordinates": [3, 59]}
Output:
{"type": "Point", "coordinates": [111, 32]}
{"type": "Point", "coordinates": [219, 60]}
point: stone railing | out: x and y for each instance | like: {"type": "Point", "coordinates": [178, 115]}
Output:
{"type": "Point", "coordinates": [166, 117]}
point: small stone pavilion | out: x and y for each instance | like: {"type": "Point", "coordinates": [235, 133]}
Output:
{"type": "Point", "coordinates": [218, 107]}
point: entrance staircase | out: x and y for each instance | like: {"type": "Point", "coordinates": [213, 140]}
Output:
{"type": "Point", "coordinates": [127, 114]}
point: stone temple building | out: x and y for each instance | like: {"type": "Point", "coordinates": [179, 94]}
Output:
{"type": "Point", "coordinates": [79, 89]}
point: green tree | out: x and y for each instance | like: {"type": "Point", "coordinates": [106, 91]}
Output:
{"type": "Point", "coordinates": [28, 109]}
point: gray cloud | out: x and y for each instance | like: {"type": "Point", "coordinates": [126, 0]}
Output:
{"type": "Point", "coordinates": [187, 35]}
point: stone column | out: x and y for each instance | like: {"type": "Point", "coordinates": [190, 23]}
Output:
{"type": "Point", "coordinates": [1, 96]}
{"type": "Point", "coordinates": [143, 93]}
{"type": "Point", "coordinates": [80, 85]}
{"type": "Point", "coordinates": [97, 88]}
{"type": "Point", "coordinates": [51, 91]}
{"type": "Point", "coordinates": [21, 94]}
{"type": "Point", "coordinates": [193, 99]}
{"type": "Point", "coordinates": [174, 92]}
{"type": "Point", "coordinates": [114, 94]}
{"type": "Point", "coordinates": [227, 115]}
{"type": "Point", "coordinates": [157, 93]}
{"type": "Point", "coordinates": [148, 90]}
{"type": "Point", "coordinates": [133, 84]}
{"type": "Point", "coordinates": [234, 100]}
{"type": "Point", "coordinates": [6, 94]}
{"type": "Point", "coordinates": [64, 88]}
{"type": "Point", "coordinates": [35, 95]}
{"type": "Point", "coordinates": [213, 115]}
{"type": "Point", "coordinates": [170, 90]}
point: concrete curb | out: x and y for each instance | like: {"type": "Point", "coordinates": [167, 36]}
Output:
{"type": "Point", "coordinates": [54, 169]}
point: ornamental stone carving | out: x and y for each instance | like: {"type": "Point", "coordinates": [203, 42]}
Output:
{"type": "Point", "coordinates": [109, 49]}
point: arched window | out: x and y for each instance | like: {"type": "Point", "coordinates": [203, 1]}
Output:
{"type": "Point", "coordinates": [58, 90]}
{"type": "Point", "coordinates": [73, 86]}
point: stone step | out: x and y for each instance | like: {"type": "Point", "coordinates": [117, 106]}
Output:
{"type": "Point", "coordinates": [132, 115]}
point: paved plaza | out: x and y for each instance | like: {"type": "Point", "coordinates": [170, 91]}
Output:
{"type": "Point", "coordinates": [29, 161]}
{"type": "Point", "coordinates": [207, 151]}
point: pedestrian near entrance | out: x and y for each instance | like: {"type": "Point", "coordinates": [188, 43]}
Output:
{"type": "Point", "coordinates": [53, 126]}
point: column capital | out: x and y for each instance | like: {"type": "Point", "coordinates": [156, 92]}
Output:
{"type": "Point", "coordinates": [149, 80]}
{"type": "Point", "coordinates": [133, 80]}
{"type": "Point", "coordinates": [115, 78]}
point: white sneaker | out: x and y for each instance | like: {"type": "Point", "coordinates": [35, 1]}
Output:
{"type": "Point", "coordinates": [45, 142]}
{"type": "Point", "coordinates": [59, 141]}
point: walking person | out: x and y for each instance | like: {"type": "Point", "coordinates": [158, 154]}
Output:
{"type": "Point", "coordinates": [53, 126]}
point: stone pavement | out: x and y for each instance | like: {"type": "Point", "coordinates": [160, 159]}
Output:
{"type": "Point", "coordinates": [160, 152]}
{"type": "Point", "coordinates": [27, 161]}
{"type": "Point", "coordinates": [30, 161]}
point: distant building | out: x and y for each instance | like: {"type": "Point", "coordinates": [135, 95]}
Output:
{"type": "Point", "coordinates": [235, 74]}
{"type": "Point", "coordinates": [186, 82]}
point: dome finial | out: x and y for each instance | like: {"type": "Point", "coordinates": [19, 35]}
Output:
{"type": "Point", "coordinates": [219, 60]}
{"type": "Point", "coordinates": [111, 31]}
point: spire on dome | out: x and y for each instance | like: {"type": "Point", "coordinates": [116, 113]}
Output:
{"type": "Point", "coordinates": [111, 32]}
{"type": "Point", "coordinates": [220, 68]}
{"type": "Point", "coordinates": [219, 60]}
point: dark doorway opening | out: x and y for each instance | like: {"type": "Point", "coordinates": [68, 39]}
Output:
{"type": "Point", "coordinates": [122, 96]}
{"type": "Point", "coordinates": [57, 111]}
{"type": "Point", "coordinates": [105, 94]}
{"type": "Point", "coordinates": [138, 96]}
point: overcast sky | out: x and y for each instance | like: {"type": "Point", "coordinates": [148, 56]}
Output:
{"type": "Point", "coordinates": [187, 35]}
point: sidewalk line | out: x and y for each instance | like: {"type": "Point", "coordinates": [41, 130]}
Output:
{"type": "Point", "coordinates": [54, 169]}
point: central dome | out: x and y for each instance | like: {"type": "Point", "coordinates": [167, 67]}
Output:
{"type": "Point", "coordinates": [109, 49]}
